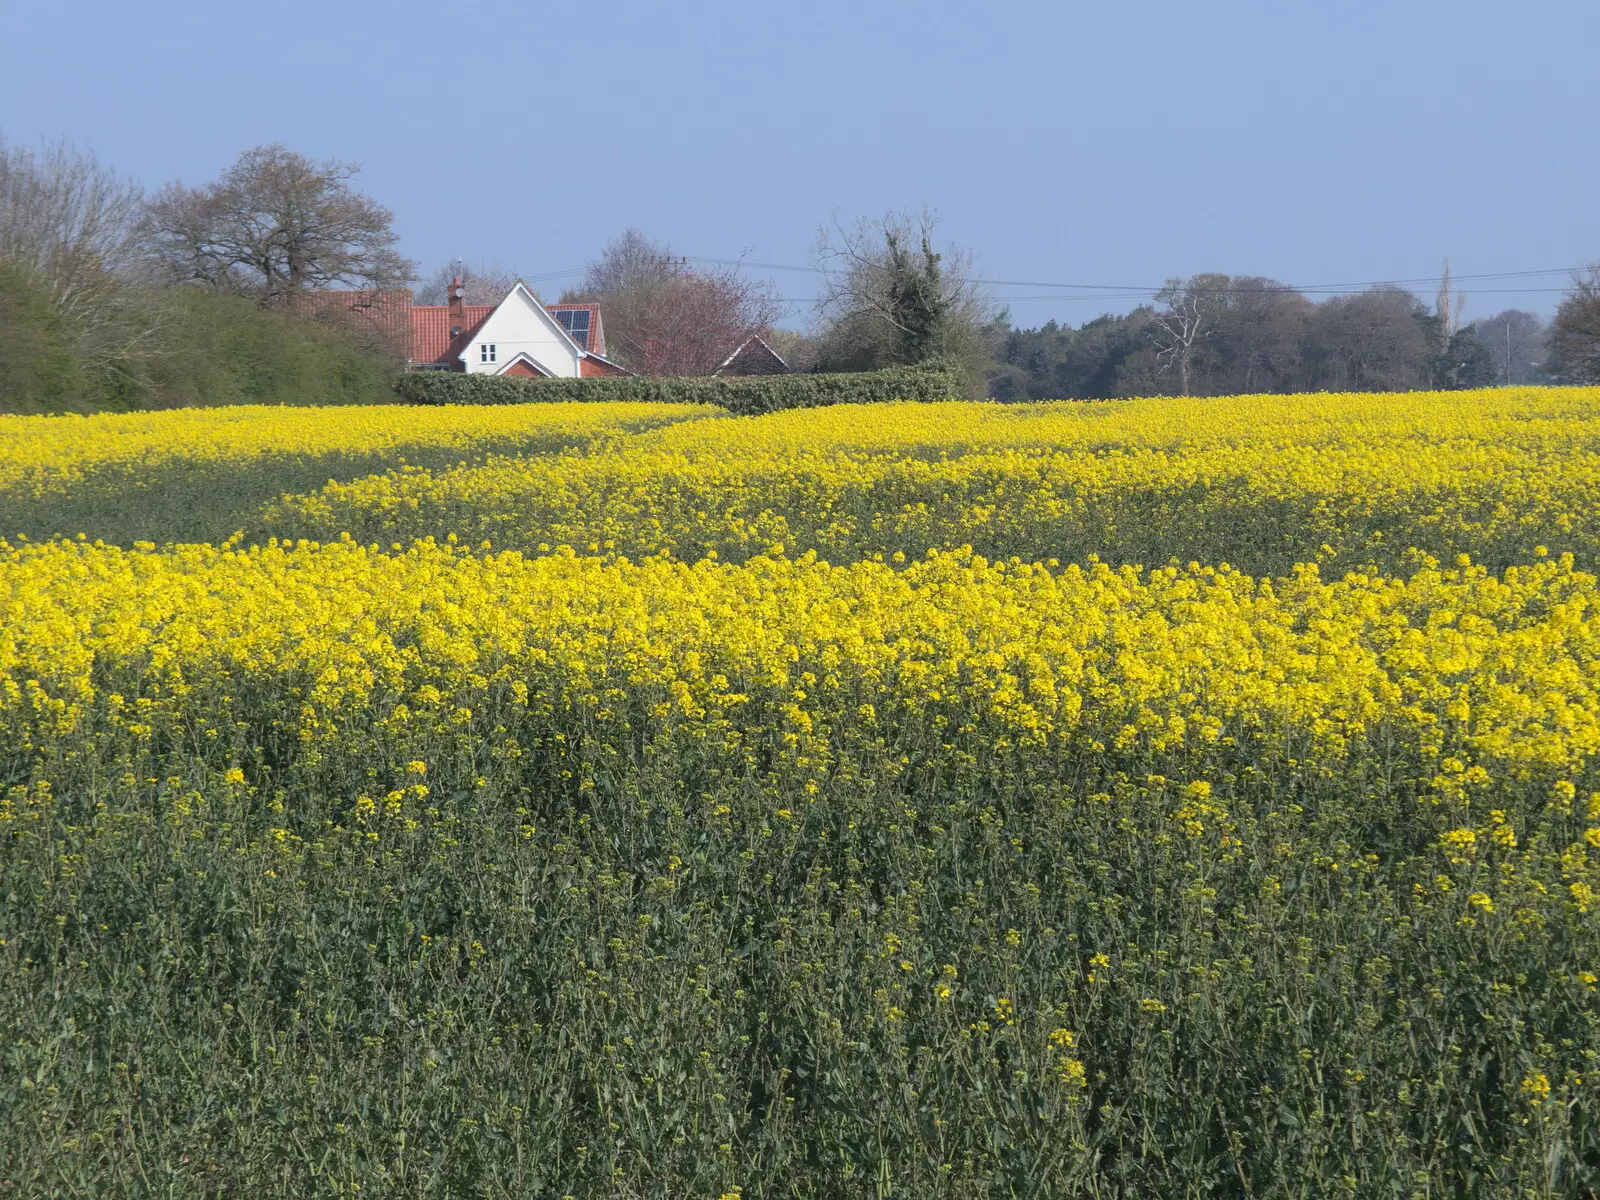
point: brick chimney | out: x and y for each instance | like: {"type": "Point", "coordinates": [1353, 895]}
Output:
{"type": "Point", "coordinates": [458, 312]}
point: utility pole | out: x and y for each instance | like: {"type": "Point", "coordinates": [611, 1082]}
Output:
{"type": "Point", "coordinates": [1508, 351]}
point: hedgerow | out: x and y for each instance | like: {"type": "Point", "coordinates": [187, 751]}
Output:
{"type": "Point", "coordinates": [746, 396]}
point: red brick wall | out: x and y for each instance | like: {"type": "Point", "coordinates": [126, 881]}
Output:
{"type": "Point", "coordinates": [591, 368]}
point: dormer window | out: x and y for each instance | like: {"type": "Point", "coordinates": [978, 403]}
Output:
{"type": "Point", "coordinates": [488, 352]}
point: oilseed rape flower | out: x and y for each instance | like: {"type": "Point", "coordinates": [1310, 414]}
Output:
{"type": "Point", "coordinates": [1068, 1070]}
{"type": "Point", "coordinates": [604, 799]}
{"type": "Point", "coordinates": [200, 474]}
{"type": "Point", "coordinates": [1536, 1087]}
{"type": "Point", "coordinates": [1261, 484]}
{"type": "Point", "coordinates": [1038, 655]}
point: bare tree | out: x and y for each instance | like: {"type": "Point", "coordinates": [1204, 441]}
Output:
{"type": "Point", "coordinates": [630, 262]}
{"type": "Point", "coordinates": [1575, 332]}
{"type": "Point", "coordinates": [1516, 341]}
{"type": "Point", "coordinates": [276, 223]}
{"type": "Point", "coordinates": [630, 281]}
{"type": "Point", "coordinates": [1191, 312]}
{"type": "Point", "coordinates": [798, 350]}
{"type": "Point", "coordinates": [486, 283]}
{"type": "Point", "coordinates": [663, 318]}
{"type": "Point", "coordinates": [1448, 309]}
{"type": "Point", "coordinates": [1379, 340]}
{"type": "Point", "coordinates": [698, 320]}
{"type": "Point", "coordinates": [69, 220]}
{"type": "Point", "coordinates": [1258, 343]}
{"type": "Point", "coordinates": [889, 297]}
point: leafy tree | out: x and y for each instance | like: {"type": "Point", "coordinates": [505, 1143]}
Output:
{"type": "Point", "coordinates": [220, 349]}
{"type": "Point", "coordinates": [1464, 362]}
{"type": "Point", "coordinates": [1108, 356]}
{"type": "Point", "coordinates": [88, 327]}
{"type": "Point", "coordinates": [1460, 360]}
{"type": "Point", "coordinates": [1258, 339]}
{"type": "Point", "coordinates": [1228, 335]}
{"type": "Point", "coordinates": [210, 349]}
{"type": "Point", "coordinates": [1030, 364]}
{"type": "Point", "coordinates": [1221, 335]}
{"type": "Point", "coordinates": [915, 298]}
{"type": "Point", "coordinates": [276, 223]}
{"type": "Point", "coordinates": [891, 299]}
{"type": "Point", "coordinates": [1575, 332]}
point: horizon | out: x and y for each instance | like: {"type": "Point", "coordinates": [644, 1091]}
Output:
{"type": "Point", "coordinates": [1378, 164]}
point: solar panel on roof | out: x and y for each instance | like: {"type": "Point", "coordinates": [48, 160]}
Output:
{"type": "Point", "coordinates": [576, 322]}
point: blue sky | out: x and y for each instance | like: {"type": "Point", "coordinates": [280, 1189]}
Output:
{"type": "Point", "coordinates": [1112, 143]}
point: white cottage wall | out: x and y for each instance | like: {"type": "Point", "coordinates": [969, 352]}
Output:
{"type": "Point", "coordinates": [521, 326]}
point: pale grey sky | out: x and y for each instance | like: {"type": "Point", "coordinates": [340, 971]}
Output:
{"type": "Point", "coordinates": [1093, 143]}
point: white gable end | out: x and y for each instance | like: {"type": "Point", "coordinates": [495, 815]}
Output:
{"type": "Point", "coordinates": [520, 326]}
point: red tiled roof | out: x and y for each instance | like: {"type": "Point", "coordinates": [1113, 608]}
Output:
{"type": "Point", "coordinates": [422, 331]}
{"type": "Point", "coordinates": [384, 312]}
{"type": "Point", "coordinates": [430, 331]}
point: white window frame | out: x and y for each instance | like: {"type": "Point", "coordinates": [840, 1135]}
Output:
{"type": "Point", "coordinates": [488, 352]}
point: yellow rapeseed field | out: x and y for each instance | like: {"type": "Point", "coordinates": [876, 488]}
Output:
{"type": "Point", "coordinates": [183, 474]}
{"type": "Point", "coordinates": [1151, 798]}
{"type": "Point", "coordinates": [1263, 483]}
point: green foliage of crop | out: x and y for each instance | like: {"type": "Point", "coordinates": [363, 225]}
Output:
{"type": "Point", "coordinates": [573, 939]}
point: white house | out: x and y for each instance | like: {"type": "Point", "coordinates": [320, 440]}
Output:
{"type": "Point", "coordinates": [518, 336]}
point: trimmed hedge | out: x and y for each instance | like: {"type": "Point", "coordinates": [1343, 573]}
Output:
{"type": "Point", "coordinates": [747, 396]}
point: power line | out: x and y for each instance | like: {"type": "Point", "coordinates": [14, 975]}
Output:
{"type": "Point", "coordinates": [1105, 296]}
{"type": "Point", "coordinates": [1135, 291]}
{"type": "Point", "coordinates": [555, 274]}
{"type": "Point", "coordinates": [1108, 292]}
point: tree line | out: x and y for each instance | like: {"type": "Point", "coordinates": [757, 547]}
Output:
{"type": "Point", "coordinates": [891, 295]}
{"type": "Point", "coordinates": [112, 298]}
{"type": "Point", "coordinates": [1218, 334]}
